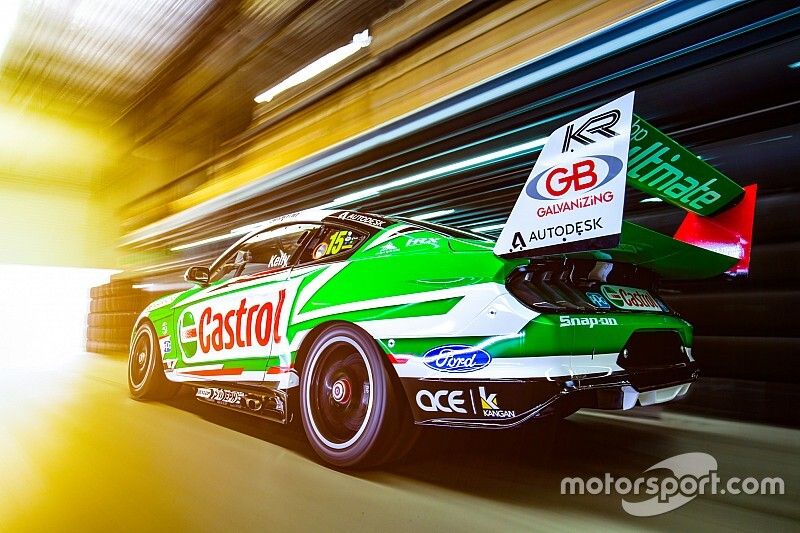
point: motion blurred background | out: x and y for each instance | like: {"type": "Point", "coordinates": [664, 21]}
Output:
{"type": "Point", "coordinates": [139, 137]}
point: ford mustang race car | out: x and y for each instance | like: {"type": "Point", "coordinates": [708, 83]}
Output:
{"type": "Point", "coordinates": [367, 326]}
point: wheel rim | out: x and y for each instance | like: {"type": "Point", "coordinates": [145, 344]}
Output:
{"type": "Point", "coordinates": [139, 359]}
{"type": "Point", "coordinates": [339, 392]}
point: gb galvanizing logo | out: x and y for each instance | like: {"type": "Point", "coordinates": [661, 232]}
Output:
{"type": "Point", "coordinates": [582, 177]}
{"type": "Point", "coordinates": [456, 358]}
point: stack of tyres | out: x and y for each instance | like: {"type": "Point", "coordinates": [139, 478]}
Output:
{"type": "Point", "coordinates": [113, 310]}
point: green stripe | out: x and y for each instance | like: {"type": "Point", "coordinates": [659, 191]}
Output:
{"type": "Point", "coordinates": [437, 307]}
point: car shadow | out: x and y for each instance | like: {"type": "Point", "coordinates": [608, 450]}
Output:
{"type": "Point", "coordinates": [290, 436]}
{"type": "Point", "coordinates": [520, 467]}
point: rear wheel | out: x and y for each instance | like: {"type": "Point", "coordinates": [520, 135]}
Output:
{"type": "Point", "coordinates": [350, 410]}
{"type": "Point", "coordinates": [146, 380]}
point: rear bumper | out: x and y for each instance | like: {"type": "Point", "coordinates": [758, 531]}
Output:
{"type": "Point", "coordinates": [504, 403]}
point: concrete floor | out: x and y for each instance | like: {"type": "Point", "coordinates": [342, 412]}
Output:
{"type": "Point", "coordinates": [77, 453]}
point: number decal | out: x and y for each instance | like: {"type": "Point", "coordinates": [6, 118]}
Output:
{"type": "Point", "coordinates": [340, 240]}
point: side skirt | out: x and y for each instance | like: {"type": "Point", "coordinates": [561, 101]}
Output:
{"type": "Point", "coordinates": [260, 401]}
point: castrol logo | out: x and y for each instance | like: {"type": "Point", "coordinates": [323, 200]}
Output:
{"type": "Point", "coordinates": [250, 324]}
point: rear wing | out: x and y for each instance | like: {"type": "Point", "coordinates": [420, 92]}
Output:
{"type": "Point", "coordinates": [573, 200]}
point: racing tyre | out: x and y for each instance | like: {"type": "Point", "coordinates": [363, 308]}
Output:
{"type": "Point", "coordinates": [348, 404]}
{"type": "Point", "coordinates": [146, 380]}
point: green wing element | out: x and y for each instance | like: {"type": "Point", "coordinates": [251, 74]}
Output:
{"type": "Point", "coordinates": [667, 257]}
{"type": "Point", "coordinates": [660, 167]}
{"type": "Point", "coordinates": [572, 203]}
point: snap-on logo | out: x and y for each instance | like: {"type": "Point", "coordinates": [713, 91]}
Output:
{"type": "Point", "coordinates": [456, 358]}
{"type": "Point", "coordinates": [582, 176]}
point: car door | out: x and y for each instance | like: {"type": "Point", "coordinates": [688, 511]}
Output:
{"type": "Point", "coordinates": [227, 331]}
{"type": "Point", "coordinates": [325, 253]}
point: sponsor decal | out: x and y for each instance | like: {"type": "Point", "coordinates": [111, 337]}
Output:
{"type": "Point", "coordinates": [250, 324]}
{"type": "Point", "coordinates": [188, 334]}
{"type": "Point", "coordinates": [589, 321]}
{"type": "Point", "coordinates": [564, 231]}
{"type": "Point", "coordinates": [246, 401]}
{"type": "Point", "coordinates": [594, 128]}
{"type": "Point", "coordinates": [444, 401]}
{"type": "Point", "coordinates": [630, 298]}
{"type": "Point", "coordinates": [164, 328]}
{"type": "Point", "coordinates": [217, 395]}
{"type": "Point", "coordinates": [577, 203]}
{"type": "Point", "coordinates": [598, 300]}
{"type": "Point", "coordinates": [338, 242]}
{"type": "Point", "coordinates": [362, 219]}
{"type": "Point", "coordinates": [659, 166]}
{"type": "Point", "coordinates": [456, 358]}
{"type": "Point", "coordinates": [491, 407]}
{"type": "Point", "coordinates": [582, 176]}
{"type": "Point", "coordinates": [387, 248]}
{"type": "Point", "coordinates": [423, 241]}
{"type": "Point", "coordinates": [169, 364]}
{"type": "Point", "coordinates": [577, 185]}
{"type": "Point", "coordinates": [165, 344]}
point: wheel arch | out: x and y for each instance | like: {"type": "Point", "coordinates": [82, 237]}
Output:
{"type": "Point", "coordinates": [314, 333]}
{"type": "Point", "coordinates": [143, 319]}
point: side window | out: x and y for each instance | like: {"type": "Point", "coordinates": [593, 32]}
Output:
{"type": "Point", "coordinates": [331, 244]}
{"type": "Point", "coordinates": [266, 252]}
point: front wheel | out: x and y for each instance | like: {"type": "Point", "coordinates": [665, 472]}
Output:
{"type": "Point", "coordinates": [349, 406]}
{"type": "Point", "coordinates": [146, 379]}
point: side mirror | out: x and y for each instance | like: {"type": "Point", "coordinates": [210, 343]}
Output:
{"type": "Point", "coordinates": [197, 274]}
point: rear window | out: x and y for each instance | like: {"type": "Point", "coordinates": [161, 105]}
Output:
{"type": "Point", "coordinates": [332, 243]}
{"type": "Point", "coordinates": [447, 231]}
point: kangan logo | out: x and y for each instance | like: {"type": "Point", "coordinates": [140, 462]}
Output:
{"type": "Point", "coordinates": [597, 125]}
{"type": "Point", "coordinates": [491, 407]}
{"type": "Point", "coordinates": [488, 401]}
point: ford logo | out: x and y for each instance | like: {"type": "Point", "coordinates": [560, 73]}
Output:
{"type": "Point", "coordinates": [456, 358]}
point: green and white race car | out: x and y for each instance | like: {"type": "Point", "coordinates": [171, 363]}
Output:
{"type": "Point", "coordinates": [366, 327]}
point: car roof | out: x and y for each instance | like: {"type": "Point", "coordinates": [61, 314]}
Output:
{"type": "Point", "coordinates": [375, 222]}
{"type": "Point", "coordinates": [309, 216]}
{"type": "Point", "coordinates": [369, 221]}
